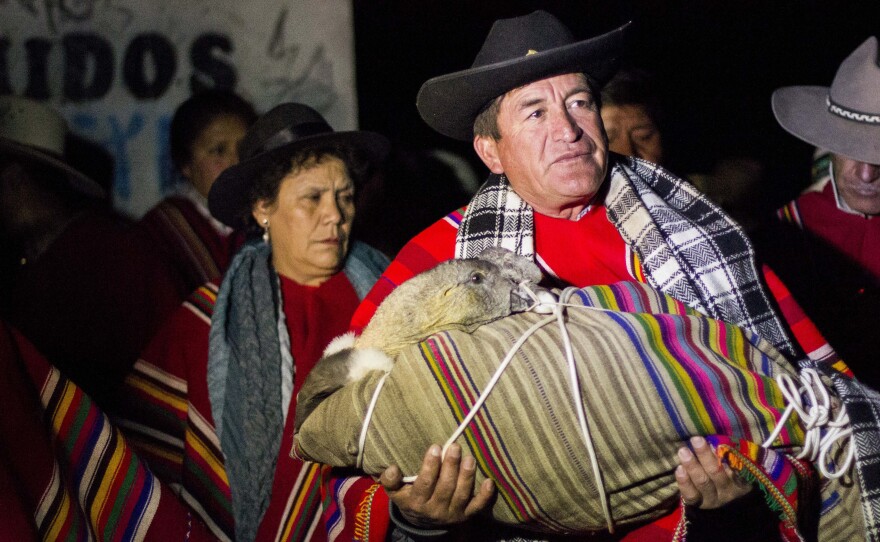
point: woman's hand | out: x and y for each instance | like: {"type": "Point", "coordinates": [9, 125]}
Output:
{"type": "Point", "coordinates": [703, 480]}
{"type": "Point", "coordinates": [442, 493]}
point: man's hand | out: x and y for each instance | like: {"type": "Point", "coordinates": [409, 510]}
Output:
{"type": "Point", "coordinates": [442, 493]}
{"type": "Point", "coordinates": [703, 480]}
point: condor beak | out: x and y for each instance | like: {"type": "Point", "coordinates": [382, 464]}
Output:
{"type": "Point", "coordinates": [528, 296]}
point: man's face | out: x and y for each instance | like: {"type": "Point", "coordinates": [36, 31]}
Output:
{"type": "Point", "coordinates": [553, 147]}
{"type": "Point", "coordinates": [858, 184]}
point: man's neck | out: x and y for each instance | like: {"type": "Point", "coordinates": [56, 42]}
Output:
{"type": "Point", "coordinates": [576, 210]}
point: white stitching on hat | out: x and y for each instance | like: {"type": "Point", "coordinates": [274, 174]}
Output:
{"type": "Point", "coordinates": [850, 114]}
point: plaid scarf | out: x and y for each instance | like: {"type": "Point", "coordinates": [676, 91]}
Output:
{"type": "Point", "coordinates": [863, 408]}
{"type": "Point", "coordinates": [690, 249]}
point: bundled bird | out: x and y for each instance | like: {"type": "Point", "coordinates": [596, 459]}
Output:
{"type": "Point", "coordinates": [456, 294]}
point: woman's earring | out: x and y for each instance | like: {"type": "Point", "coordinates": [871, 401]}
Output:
{"type": "Point", "coordinates": [266, 230]}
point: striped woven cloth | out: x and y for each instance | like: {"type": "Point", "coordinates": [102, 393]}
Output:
{"type": "Point", "coordinates": [167, 417]}
{"type": "Point", "coordinates": [174, 435]}
{"type": "Point", "coordinates": [653, 373]}
{"type": "Point", "coordinates": [74, 472]}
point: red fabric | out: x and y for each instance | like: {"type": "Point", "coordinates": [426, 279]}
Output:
{"type": "Point", "coordinates": [436, 244]}
{"type": "Point", "coordinates": [805, 332]}
{"type": "Point", "coordinates": [180, 351]}
{"type": "Point", "coordinates": [93, 299]}
{"type": "Point", "coordinates": [193, 246]}
{"type": "Point", "coordinates": [33, 453]}
{"type": "Point", "coordinates": [315, 316]}
{"type": "Point", "coordinates": [830, 260]}
{"type": "Point", "coordinates": [591, 251]}
{"type": "Point", "coordinates": [853, 235]}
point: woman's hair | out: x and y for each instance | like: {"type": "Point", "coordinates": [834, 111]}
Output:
{"type": "Point", "coordinates": [196, 113]}
{"type": "Point", "coordinates": [634, 86]}
{"type": "Point", "coordinates": [267, 184]}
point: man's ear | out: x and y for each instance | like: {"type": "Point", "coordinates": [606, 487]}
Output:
{"type": "Point", "coordinates": [487, 150]}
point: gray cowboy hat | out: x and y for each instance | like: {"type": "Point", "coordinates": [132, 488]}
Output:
{"type": "Point", "coordinates": [33, 131]}
{"type": "Point", "coordinates": [843, 118]}
{"type": "Point", "coordinates": [516, 52]}
{"type": "Point", "coordinates": [283, 131]}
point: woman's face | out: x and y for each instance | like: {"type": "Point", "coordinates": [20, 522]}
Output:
{"type": "Point", "coordinates": [632, 132]}
{"type": "Point", "coordinates": [215, 149]}
{"type": "Point", "coordinates": [310, 221]}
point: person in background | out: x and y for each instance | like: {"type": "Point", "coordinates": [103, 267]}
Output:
{"type": "Point", "coordinates": [634, 121]}
{"type": "Point", "coordinates": [205, 132]}
{"type": "Point", "coordinates": [630, 113]}
{"type": "Point", "coordinates": [587, 216]}
{"type": "Point", "coordinates": [227, 366]}
{"type": "Point", "coordinates": [827, 245]}
{"type": "Point", "coordinates": [80, 282]}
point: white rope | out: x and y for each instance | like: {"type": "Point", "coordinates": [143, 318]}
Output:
{"type": "Point", "coordinates": [581, 410]}
{"type": "Point", "coordinates": [821, 433]}
{"type": "Point", "coordinates": [362, 439]}
{"type": "Point", "coordinates": [543, 305]}
{"type": "Point", "coordinates": [488, 389]}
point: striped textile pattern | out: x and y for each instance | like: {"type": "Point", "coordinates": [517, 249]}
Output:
{"type": "Point", "coordinates": [175, 437]}
{"type": "Point", "coordinates": [168, 419]}
{"type": "Point", "coordinates": [116, 497]}
{"type": "Point", "coordinates": [652, 372]}
{"type": "Point", "coordinates": [193, 463]}
{"type": "Point", "coordinates": [790, 214]}
{"type": "Point", "coordinates": [305, 497]}
{"type": "Point", "coordinates": [201, 262]}
{"type": "Point", "coordinates": [195, 248]}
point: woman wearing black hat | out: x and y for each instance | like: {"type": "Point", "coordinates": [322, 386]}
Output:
{"type": "Point", "coordinates": [286, 294]}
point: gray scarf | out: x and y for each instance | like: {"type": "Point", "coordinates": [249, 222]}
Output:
{"type": "Point", "coordinates": [248, 360]}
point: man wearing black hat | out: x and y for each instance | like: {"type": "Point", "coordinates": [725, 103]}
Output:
{"type": "Point", "coordinates": [830, 234]}
{"type": "Point", "coordinates": [587, 216]}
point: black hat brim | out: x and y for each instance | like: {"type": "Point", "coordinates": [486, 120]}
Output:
{"type": "Point", "coordinates": [230, 193]}
{"type": "Point", "coordinates": [450, 103]}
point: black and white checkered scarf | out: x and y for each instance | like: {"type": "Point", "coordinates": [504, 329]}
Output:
{"type": "Point", "coordinates": [690, 249]}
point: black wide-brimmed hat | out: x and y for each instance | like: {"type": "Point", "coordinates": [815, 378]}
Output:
{"type": "Point", "coordinates": [843, 118]}
{"type": "Point", "coordinates": [283, 131]}
{"type": "Point", "coordinates": [33, 131]}
{"type": "Point", "coordinates": [516, 52]}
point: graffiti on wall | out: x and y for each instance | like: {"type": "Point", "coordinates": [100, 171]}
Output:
{"type": "Point", "coordinates": [117, 68]}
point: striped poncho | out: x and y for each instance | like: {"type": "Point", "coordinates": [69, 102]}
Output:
{"type": "Point", "coordinates": [68, 473]}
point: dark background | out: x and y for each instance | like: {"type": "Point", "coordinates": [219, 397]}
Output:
{"type": "Point", "coordinates": [716, 65]}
